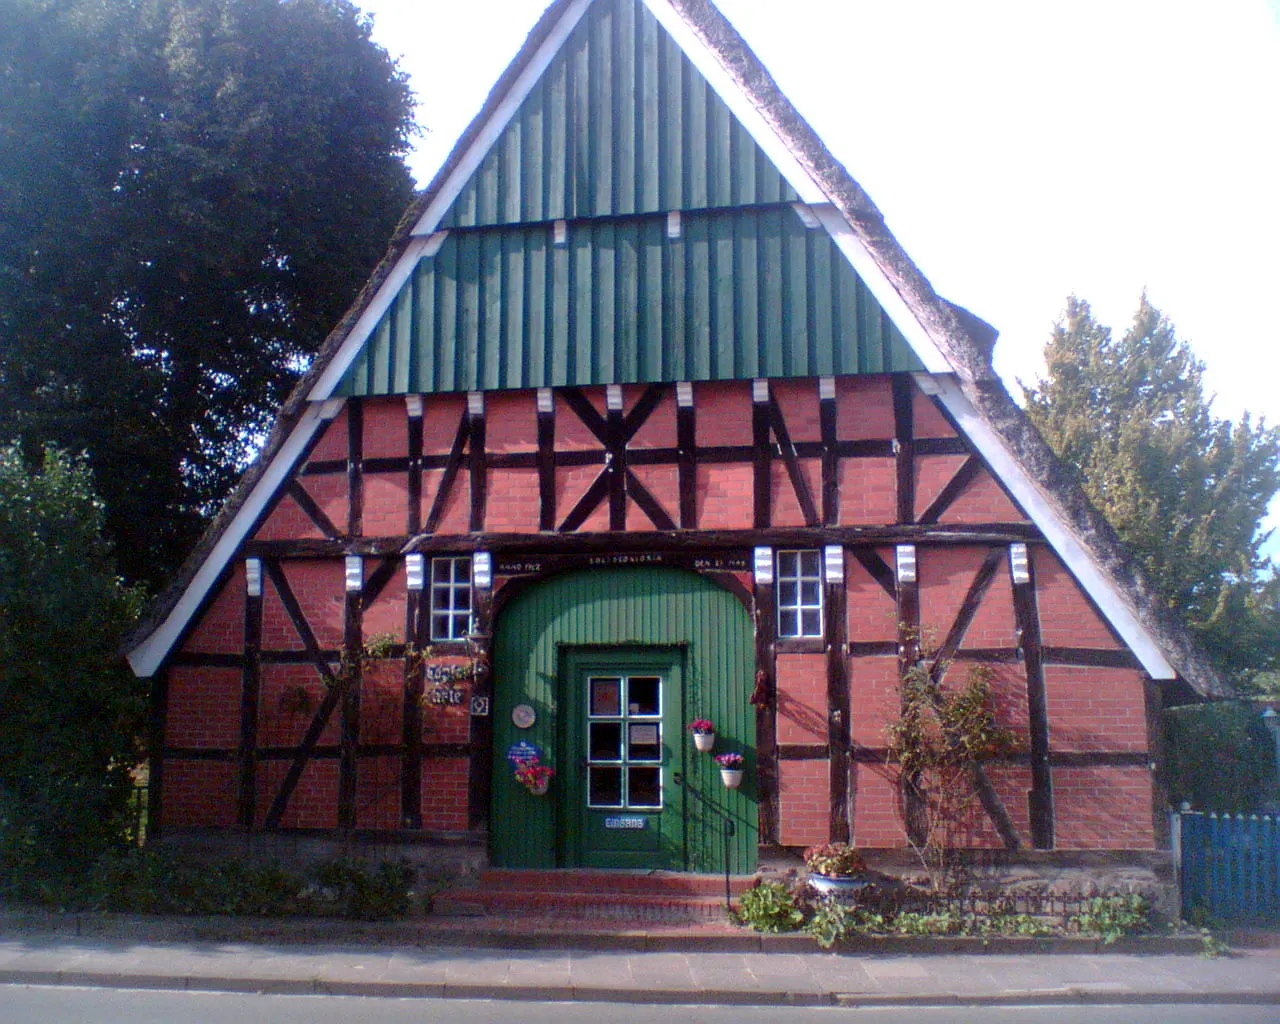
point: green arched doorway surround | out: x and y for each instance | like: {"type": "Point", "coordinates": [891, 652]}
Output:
{"type": "Point", "coordinates": [615, 662]}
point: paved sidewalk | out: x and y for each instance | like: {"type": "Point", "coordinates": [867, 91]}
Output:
{"type": "Point", "coordinates": [763, 978]}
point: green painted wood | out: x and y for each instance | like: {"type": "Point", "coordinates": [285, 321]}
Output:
{"type": "Point", "coordinates": [744, 292]}
{"type": "Point", "coordinates": [620, 123]}
{"type": "Point", "coordinates": [624, 609]}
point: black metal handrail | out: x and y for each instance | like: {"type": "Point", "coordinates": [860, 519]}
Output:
{"type": "Point", "coordinates": [729, 828]}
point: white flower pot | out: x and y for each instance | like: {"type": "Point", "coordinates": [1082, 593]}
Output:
{"type": "Point", "coordinates": [704, 741]}
{"type": "Point", "coordinates": [539, 788]}
{"type": "Point", "coordinates": [731, 777]}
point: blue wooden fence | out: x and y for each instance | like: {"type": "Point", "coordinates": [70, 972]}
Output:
{"type": "Point", "coordinates": [1228, 867]}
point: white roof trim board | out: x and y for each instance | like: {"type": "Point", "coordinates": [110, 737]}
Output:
{"type": "Point", "coordinates": [939, 334]}
{"type": "Point", "coordinates": [1038, 507]}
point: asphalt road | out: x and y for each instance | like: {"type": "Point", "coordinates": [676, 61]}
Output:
{"type": "Point", "coordinates": [66, 1005]}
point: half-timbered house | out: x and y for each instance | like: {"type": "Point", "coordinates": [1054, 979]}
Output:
{"type": "Point", "coordinates": [646, 417]}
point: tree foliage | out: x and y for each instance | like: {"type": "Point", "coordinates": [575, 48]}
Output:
{"type": "Point", "coordinates": [193, 192]}
{"type": "Point", "coordinates": [1185, 490]}
{"type": "Point", "coordinates": [70, 712]}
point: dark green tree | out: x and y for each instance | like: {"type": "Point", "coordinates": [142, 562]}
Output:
{"type": "Point", "coordinates": [70, 711]}
{"type": "Point", "coordinates": [193, 192]}
{"type": "Point", "coordinates": [1185, 490]}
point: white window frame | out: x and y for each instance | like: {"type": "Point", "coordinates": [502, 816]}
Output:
{"type": "Point", "coordinates": [450, 582]}
{"type": "Point", "coordinates": [788, 569]}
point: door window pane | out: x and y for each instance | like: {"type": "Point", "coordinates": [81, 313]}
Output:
{"type": "Point", "coordinates": [606, 696]}
{"type": "Point", "coordinates": [605, 787]}
{"type": "Point", "coordinates": [642, 742]}
{"type": "Point", "coordinates": [606, 741]}
{"type": "Point", "coordinates": [643, 695]}
{"type": "Point", "coordinates": [644, 789]}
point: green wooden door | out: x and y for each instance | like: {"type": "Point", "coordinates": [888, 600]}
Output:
{"type": "Point", "coordinates": [623, 747]}
{"type": "Point", "coordinates": [623, 623]}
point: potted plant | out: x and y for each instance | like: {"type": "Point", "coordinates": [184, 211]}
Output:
{"type": "Point", "coordinates": [704, 733]}
{"type": "Point", "coordinates": [534, 775]}
{"type": "Point", "coordinates": [835, 868]}
{"type": "Point", "coordinates": [730, 768]}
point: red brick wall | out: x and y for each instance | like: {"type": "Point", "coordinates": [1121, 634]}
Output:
{"type": "Point", "coordinates": [1091, 710]}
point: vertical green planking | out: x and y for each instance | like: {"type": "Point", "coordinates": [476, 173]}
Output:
{"type": "Point", "coordinates": [631, 607]}
{"type": "Point", "coordinates": [740, 293]}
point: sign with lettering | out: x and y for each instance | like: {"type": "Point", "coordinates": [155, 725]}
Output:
{"type": "Point", "coordinates": [440, 672]}
{"type": "Point", "coordinates": [627, 822]}
{"type": "Point", "coordinates": [523, 751]}
{"type": "Point", "coordinates": [445, 696]}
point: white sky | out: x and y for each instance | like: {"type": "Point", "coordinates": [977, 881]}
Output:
{"type": "Point", "coordinates": [1020, 151]}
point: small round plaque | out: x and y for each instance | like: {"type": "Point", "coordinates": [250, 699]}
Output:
{"type": "Point", "coordinates": [523, 716]}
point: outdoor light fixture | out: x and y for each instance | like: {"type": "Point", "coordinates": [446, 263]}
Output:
{"type": "Point", "coordinates": [253, 577]}
{"type": "Point", "coordinates": [415, 571]}
{"type": "Point", "coordinates": [482, 570]}
{"type": "Point", "coordinates": [1019, 566]}
{"type": "Point", "coordinates": [546, 402]}
{"type": "Point", "coordinates": [764, 565]}
{"type": "Point", "coordinates": [833, 563]}
{"type": "Point", "coordinates": [906, 563]}
{"type": "Point", "coordinates": [354, 573]}
{"type": "Point", "coordinates": [413, 405]}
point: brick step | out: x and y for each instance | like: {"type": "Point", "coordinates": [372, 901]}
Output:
{"type": "Point", "coordinates": [599, 882]}
{"type": "Point", "coordinates": [629, 897]}
{"type": "Point", "coordinates": [626, 908]}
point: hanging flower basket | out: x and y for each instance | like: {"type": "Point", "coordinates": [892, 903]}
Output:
{"type": "Point", "coordinates": [730, 764]}
{"type": "Point", "coordinates": [704, 733]}
{"type": "Point", "coordinates": [534, 775]}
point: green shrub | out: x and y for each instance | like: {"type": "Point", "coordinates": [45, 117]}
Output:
{"type": "Point", "coordinates": [164, 882]}
{"type": "Point", "coordinates": [1112, 917]}
{"type": "Point", "coordinates": [770, 907]}
{"type": "Point", "coordinates": [356, 892]}
{"type": "Point", "coordinates": [1220, 757]}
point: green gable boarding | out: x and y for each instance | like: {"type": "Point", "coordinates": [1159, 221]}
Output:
{"type": "Point", "coordinates": [620, 123]}
{"type": "Point", "coordinates": [741, 293]}
{"type": "Point", "coordinates": [564, 265]}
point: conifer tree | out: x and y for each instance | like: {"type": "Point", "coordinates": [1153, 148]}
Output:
{"type": "Point", "coordinates": [1185, 490]}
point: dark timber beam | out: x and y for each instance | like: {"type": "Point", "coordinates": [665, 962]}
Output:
{"type": "Point", "coordinates": [250, 685]}
{"type": "Point", "coordinates": [762, 457]}
{"type": "Point", "coordinates": [827, 419]}
{"type": "Point", "coordinates": [479, 471]}
{"type": "Point", "coordinates": [413, 516]}
{"type": "Point", "coordinates": [687, 455]}
{"type": "Point", "coordinates": [953, 488]}
{"type": "Point", "coordinates": [450, 474]}
{"type": "Point", "coordinates": [842, 787]}
{"type": "Point", "coordinates": [1026, 613]}
{"type": "Point", "coordinates": [355, 467]}
{"type": "Point", "coordinates": [349, 720]}
{"type": "Point", "coordinates": [904, 446]}
{"type": "Point", "coordinates": [546, 460]}
{"type": "Point", "coordinates": [313, 511]}
{"type": "Point", "coordinates": [764, 697]}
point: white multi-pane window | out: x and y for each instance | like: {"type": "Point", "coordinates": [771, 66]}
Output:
{"type": "Point", "coordinates": [798, 576]}
{"type": "Point", "coordinates": [450, 598]}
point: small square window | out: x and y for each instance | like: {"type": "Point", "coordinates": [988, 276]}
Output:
{"type": "Point", "coordinates": [799, 589]}
{"type": "Point", "coordinates": [450, 598]}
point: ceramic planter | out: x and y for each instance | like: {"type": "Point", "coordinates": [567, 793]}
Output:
{"type": "Point", "coordinates": [731, 777]}
{"type": "Point", "coordinates": [837, 886]}
{"type": "Point", "coordinates": [704, 741]}
{"type": "Point", "coordinates": [539, 788]}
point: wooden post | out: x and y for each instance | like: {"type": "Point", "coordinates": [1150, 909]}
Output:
{"type": "Point", "coordinates": [479, 471]}
{"type": "Point", "coordinates": [686, 445]}
{"type": "Point", "coordinates": [827, 417]}
{"type": "Point", "coordinates": [839, 738]}
{"type": "Point", "coordinates": [765, 698]}
{"type": "Point", "coordinates": [416, 639]}
{"type": "Point", "coordinates": [250, 683]}
{"type": "Point", "coordinates": [413, 520]}
{"type": "Point", "coordinates": [355, 467]}
{"type": "Point", "coordinates": [904, 446]}
{"type": "Point", "coordinates": [546, 459]}
{"type": "Point", "coordinates": [353, 673]}
{"type": "Point", "coordinates": [762, 456]}
{"type": "Point", "coordinates": [1027, 622]}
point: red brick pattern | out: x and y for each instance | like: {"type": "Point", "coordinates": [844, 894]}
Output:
{"type": "Point", "coordinates": [204, 707]}
{"type": "Point", "coordinates": [805, 808]}
{"type": "Point", "coordinates": [1089, 709]}
{"type": "Point", "coordinates": [802, 698]}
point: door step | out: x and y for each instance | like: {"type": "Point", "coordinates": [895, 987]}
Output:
{"type": "Point", "coordinates": [625, 897]}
